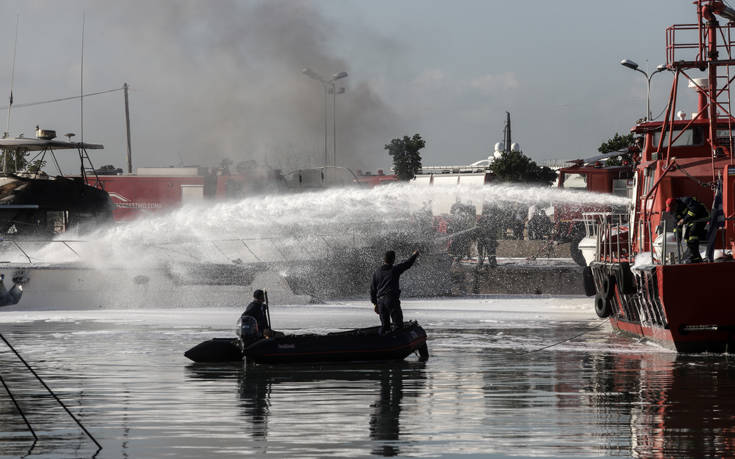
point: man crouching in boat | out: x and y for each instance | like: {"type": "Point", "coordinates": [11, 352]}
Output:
{"type": "Point", "coordinates": [257, 309]}
{"type": "Point", "coordinates": [385, 292]}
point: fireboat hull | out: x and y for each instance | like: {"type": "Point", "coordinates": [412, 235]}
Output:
{"type": "Point", "coordinates": [681, 307]}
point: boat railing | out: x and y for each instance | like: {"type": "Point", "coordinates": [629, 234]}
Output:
{"type": "Point", "coordinates": [661, 243]}
{"type": "Point", "coordinates": [611, 233]}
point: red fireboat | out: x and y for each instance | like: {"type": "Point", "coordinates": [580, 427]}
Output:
{"type": "Point", "coordinates": [640, 279]}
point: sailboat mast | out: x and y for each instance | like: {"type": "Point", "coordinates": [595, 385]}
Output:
{"type": "Point", "coordinates": [127, 129]}
{"type": "Point", "coordinates": [81, 90]}
{"type": "Point", "coordinates": [12, 83]}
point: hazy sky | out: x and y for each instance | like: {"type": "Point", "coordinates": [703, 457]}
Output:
{"type": "Point", "coordinates": [222, 79]}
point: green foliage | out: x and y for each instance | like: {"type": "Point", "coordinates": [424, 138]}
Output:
{"type": "Point", "coordinates": [406, 156]}
{"type": "Point", "coordinates": [617, 143]}
{"type": "Point", "coordinates": [514, 166]}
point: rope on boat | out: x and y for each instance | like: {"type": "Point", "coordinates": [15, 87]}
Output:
{"type": "Point", "coordinates": [10, 346]}
{"type": "Point", "coordinates": [602, 322]}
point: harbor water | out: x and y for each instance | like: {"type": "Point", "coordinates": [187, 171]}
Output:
{"type": "Point", "coordinates": [509, 376]}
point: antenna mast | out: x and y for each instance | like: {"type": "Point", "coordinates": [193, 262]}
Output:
{"type": "Point", "coordinates": [12, 83]}
{"type": "Point", "coordinates": [81, 89]}
{"type": "Point", "coordinates": [12, 74]}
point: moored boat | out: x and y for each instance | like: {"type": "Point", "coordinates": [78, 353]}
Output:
{"type": "Point", "coordinates": [643, 279]}
{"type": "Point", "coordinates": [34, 204]}
{"type": "Point", "coordinates": [362, 344]}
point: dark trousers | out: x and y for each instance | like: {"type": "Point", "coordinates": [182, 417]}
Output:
{"type": "Point", "coordinates": [694, 233]}
{"type": "Point", "coordinates": [389, 309]}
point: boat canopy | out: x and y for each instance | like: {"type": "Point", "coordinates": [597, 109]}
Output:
{"type": "Point", "coordinates": [42, 144]}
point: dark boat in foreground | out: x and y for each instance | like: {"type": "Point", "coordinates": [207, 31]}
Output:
{"type": "Point", "coordinates": [362, 344]}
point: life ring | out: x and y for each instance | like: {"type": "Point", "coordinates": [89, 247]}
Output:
{"type": "Point", "coordinates": [602, 306]}
{"type": "Point", "coordinates": [589, 281]}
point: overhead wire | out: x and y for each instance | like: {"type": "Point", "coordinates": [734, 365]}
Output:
{"type": "Point", "coordinates": [62, 99]}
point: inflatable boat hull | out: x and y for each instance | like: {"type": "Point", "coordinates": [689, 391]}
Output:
{"type": "Point", "coordinates": [363, 344]}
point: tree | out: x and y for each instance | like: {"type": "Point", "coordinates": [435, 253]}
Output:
{"type": "Point", "coordinates": [514, 166]}
{"type": "Point", "coordinates": [406, 157]}
{"type": "Point", "coordinates": [617, 143]}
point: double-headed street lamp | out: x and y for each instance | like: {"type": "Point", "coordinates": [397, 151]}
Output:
{"type": "Point", "coordinates": [329, 88]}
{"type": "Point", "coordinates": [632, 65]}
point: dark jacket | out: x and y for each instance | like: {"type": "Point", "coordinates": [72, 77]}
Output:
{"type": "Point", "coordinates": [256, 310]}
{"type": "Point", "coordinates": [385, 281]}
{"type": "Point", "coordinates": [690, 210]}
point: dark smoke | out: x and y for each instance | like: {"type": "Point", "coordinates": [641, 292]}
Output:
{"type": "Point", "coordinates": [223, 79]}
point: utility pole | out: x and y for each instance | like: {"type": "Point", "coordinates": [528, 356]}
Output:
{"type": "Point", "coordinates": [127, 129]}
{"type": "Point", "coordinates": [326, 123]}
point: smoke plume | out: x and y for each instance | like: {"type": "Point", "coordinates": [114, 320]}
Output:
{"type": "Point", "coordinates": [209, 80]}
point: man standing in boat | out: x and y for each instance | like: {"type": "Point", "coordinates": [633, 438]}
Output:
{"type": "Point", "coordinates": [690, 214]}
{"type": "Point", "coordinates": [385, 292]}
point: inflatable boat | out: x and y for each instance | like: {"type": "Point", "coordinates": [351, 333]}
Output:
{"type": "Point", "coordinates": [362, 344]}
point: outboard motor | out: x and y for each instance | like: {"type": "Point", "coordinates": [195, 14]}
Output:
{"type": "Point", "coordinates": [247, 330]}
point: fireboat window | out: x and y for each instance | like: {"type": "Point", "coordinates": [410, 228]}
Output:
{"type": "Point", "coordinates": [575, 181]}
{"type": "Point", "coordinates": [690, 137]}
{"type": "Point", "coordinates": [723, 136]}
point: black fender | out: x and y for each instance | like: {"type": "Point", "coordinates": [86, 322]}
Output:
{"type": "Point", "coordinates": [625, 279]}
{"type": "Point", "coordinates": [589, 281]}
{"type": "Point", "coordinates": [608, 286]}
{"type": "Point", "coordinates": [423, 353]}
{"type": "Point", "coordinates": [602, 306]}
{"type": "Point", "coordinates": [576, 253]}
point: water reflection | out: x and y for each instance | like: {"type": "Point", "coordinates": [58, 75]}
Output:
{"type": "Point", "coordinates": [53, 426]}
{"type": "Point", "coordinates": [673, 405]}
{"type": "Point", "coordinates": [386, 411]}
{"type": "Point", "coordinates": [374, 388]}
{"type": "Point", "coordinates": [479, 394]}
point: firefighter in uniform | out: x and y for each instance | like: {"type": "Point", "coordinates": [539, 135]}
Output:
{"type": "Point", "coordinates": [691, 215]}
{"type": "Point", "coordinates": [487, 235]}
{"type": "Point", "coordinates": [385, 292]}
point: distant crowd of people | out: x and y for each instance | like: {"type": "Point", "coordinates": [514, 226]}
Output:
{"type": "Point", "coordinates": [496, 221]}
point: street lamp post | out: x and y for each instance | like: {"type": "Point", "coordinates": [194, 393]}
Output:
{"type": "Point", "coordinates": [334, 91]}
{"type": "Point", "coordinates": [329, 88]}
{"type": "Point", "coordinates": [633, 66]}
